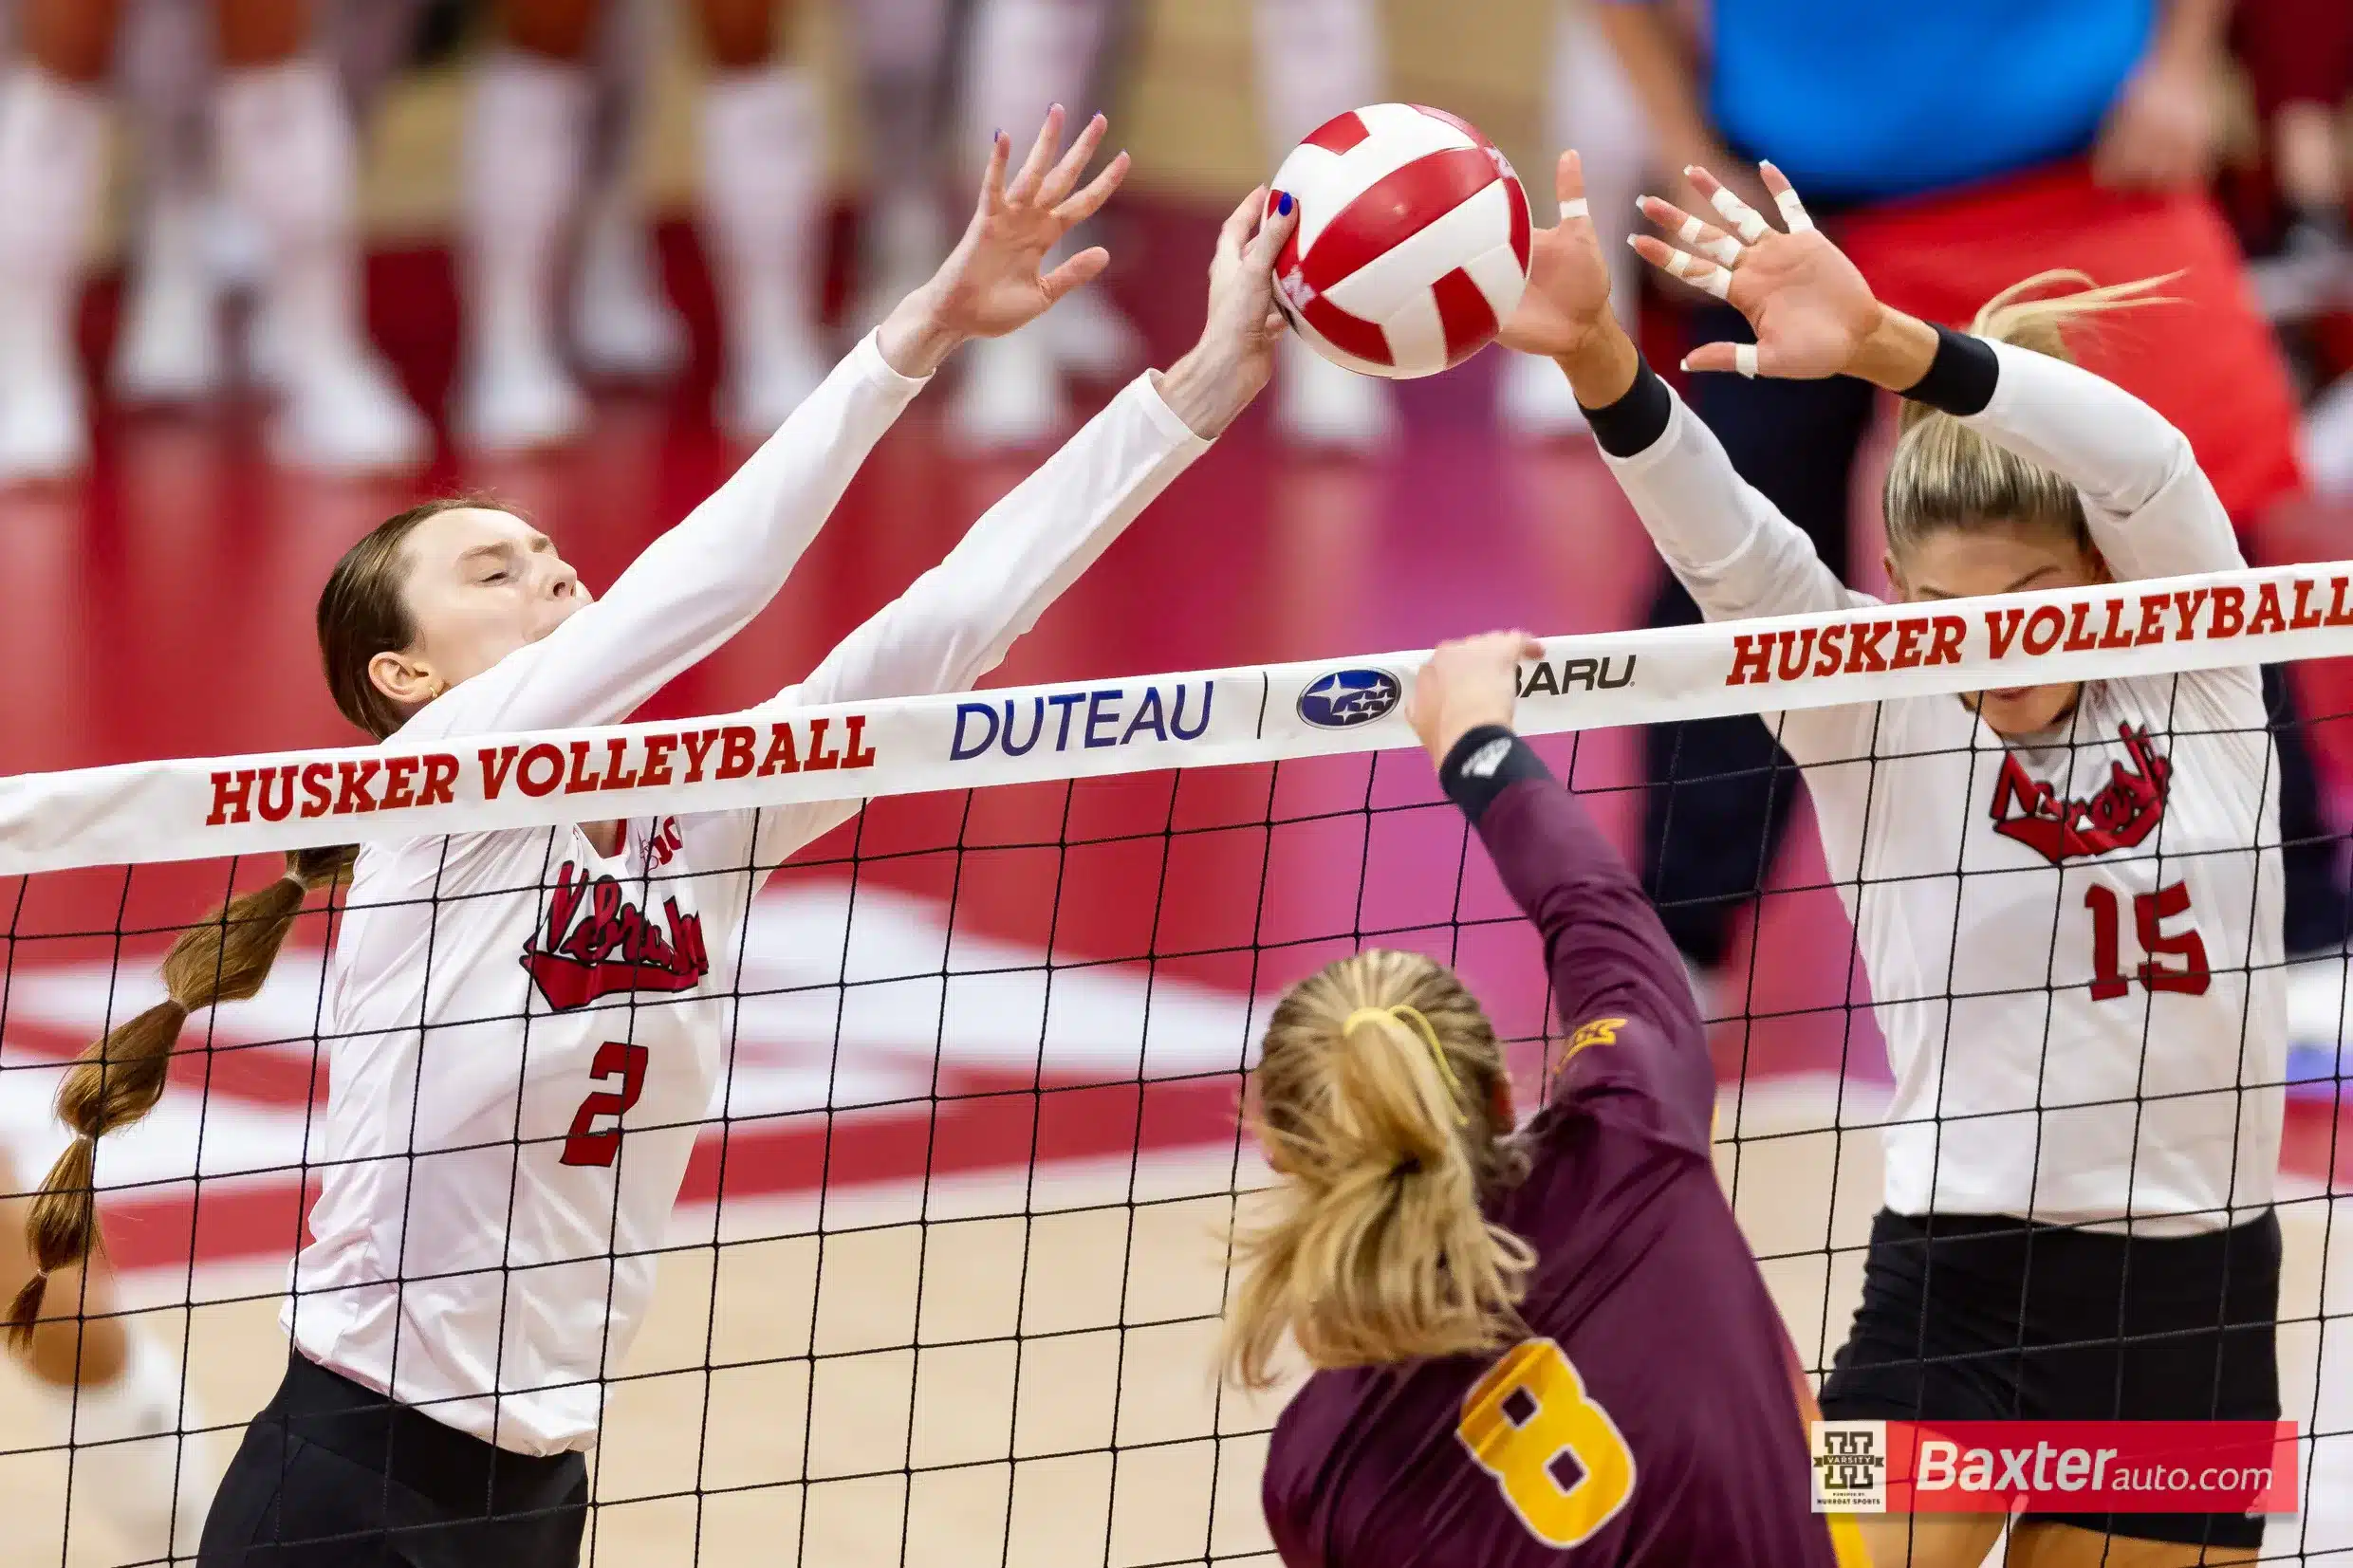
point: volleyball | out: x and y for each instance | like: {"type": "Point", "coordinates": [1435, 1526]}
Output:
{"type": "Point", "coordinates": [1412, 245]}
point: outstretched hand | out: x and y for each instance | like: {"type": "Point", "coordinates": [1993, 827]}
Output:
{"type": "Point", "coordinates": [1467, 683]}
{"type": "Point", "coordinates": [1566, 299]}
{"type": "Point", "coordinates": [1810, 309]}
{"type": "Point", "coordinates": [995, 281]}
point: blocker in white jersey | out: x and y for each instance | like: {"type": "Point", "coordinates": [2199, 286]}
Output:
{"type": "Point", "coordinates": [525, 1029]}
{"type": "Point", "coordinates": [1412, 245]}
{"type": "Point", "coordinates": [2067, 897]}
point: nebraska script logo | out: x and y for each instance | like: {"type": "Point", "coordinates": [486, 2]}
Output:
{"type": "Point", "coordinates": [597, 941]}
{"type": "Point", "coordinates": [2124, 812]}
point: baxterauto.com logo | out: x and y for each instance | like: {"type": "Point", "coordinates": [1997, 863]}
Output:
{"type": "Point", "coordinates": [1344, 698]}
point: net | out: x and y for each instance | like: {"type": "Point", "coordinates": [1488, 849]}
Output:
{"type": "Point", "coordinates": [943, 1282]}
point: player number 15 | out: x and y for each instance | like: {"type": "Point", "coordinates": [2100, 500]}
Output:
{"type": "Point", "coordinates": [2151, 911]}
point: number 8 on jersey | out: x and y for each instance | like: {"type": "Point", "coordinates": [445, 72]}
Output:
{"type": "Point", "coordinates": [1558, 1459]}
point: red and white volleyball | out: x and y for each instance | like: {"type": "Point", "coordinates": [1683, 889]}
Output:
{"type": "Point", "coordinates": [1412, 245]}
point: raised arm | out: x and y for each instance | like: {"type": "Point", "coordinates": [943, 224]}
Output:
{"type": "Point", "coordinates": [2150, 508]}
{"type": "Point", "coordinates": [955, 622]}
{"type": "Point", "coordinates": [700, 582]}
{"type": "Point", "coordinates": [1620, 986]}
{"type": "Point", "coordinates": [1729, 544]}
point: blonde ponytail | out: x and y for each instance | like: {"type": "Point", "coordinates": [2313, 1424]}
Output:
{"type": "Point", "coordinates": [118, 1079]}
{"type": "Point", "coordinates": [1946, 475]}
{"type": "Point", "coordinates": [1377, 1097]}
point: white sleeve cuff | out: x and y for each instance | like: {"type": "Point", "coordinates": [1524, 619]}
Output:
{"type": "Point", "coordinates": [1147, 397]}
{"type": "Point", "coordinates": [867, 357]}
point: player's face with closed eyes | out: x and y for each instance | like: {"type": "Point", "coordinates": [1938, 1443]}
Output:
{"type": "Point", "coordinates": [1994, 558]}
{"type": "Point", "coordinates": [482, 583]}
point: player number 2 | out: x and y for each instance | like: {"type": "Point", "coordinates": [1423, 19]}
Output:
{"type": "Point", "coordinates": [587, 1143]}
{"type": "Point", "coordinates": [1558, 1459]}
{"type": "Point", "coordinates": [2150, 912]}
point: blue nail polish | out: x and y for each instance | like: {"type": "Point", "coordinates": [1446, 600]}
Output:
{"type": "Point", "coordinates": [1285, 206]}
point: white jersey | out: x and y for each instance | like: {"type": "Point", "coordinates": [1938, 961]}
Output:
{"type": "Point", "coordinates": [525, 1035]}
{"type": "Point", "coordinates": [2074, 948]}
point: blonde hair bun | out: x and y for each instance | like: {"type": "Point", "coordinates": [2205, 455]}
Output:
{"type": "Point", "coordinates": [2029, 315]}
{"type": "Point", "coordinates": [1946, 475]}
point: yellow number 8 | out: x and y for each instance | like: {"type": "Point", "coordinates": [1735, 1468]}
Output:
{"type": "Point", "coordinates": [1519, 1441]}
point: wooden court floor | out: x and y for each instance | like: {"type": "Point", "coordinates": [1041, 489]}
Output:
{"type": "Point", "coordinates": [1017, 1370]}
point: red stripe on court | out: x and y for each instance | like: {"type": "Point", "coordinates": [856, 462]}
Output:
{"type": "Point", "coordinates": [281, 1073]}
{"type": "Point", "coordinates": [251, 1218]}
{"type": "Point", "coordinates": [1002, 1128]}
{"type": "Point", "coordinates": [1464, 314]}
{"type": "Point", "coordinates": [1339, 134]}
{"type": "Point", "coordinates": [1394, 209]}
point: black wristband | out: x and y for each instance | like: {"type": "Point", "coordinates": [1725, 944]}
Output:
{"type": "Point", "coordinates": [1636, 420]}
{"type": "Point", "coordinates": [1961, 378]}
{"type": "Point", "coordinates": [1483, 764]}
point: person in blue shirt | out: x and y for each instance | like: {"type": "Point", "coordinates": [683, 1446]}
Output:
{"type": "Point", "coordinates": [1952, 149]}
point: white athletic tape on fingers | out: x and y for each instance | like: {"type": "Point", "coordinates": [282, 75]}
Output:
{"type": "Point", "coordinates": [1792, 212]}
{"type": "Point", "coordinates": [1690, 233]}
{"type": "Point", "coordinates": [1723, 249]}
{"type": "Point", "coordinates": [1743, 360]}
{"type": "Point", "coordinates": [1573, 208]}
{"type": "Point", "coordinates": [1714, 279]}
{"type": "Point", "coordinates": [1740, 215]}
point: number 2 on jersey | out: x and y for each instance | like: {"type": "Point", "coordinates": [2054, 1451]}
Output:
{"type": "Point", "coordinates": [1558, 1459]}
{"type": "Point", "coordinates": [2150, 912]}
{"type": "Point", "coordinates": [586, 1143]}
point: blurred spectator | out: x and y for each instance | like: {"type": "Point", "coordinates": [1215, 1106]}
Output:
{"type": "Point", "coordinates": [539, 137]}
{"type": "Point", "coordinates": [902, 49]}
{"type": "Point", "coordinates": [1958, 148]}
{"type": "Point", "coordinates": [2299, 61]}
{"type": "Point", "coordinates": [1588, 105]}
{"type": "Point", "coordinates": [192, 249]}
{"type": "Point", "coordinates": [282, 142]}
{"type": "Point", "coordinates": [1316, 59]}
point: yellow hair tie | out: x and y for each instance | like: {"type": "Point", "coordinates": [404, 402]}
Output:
{"type": "Point", "coordinates": [1413, 1016]}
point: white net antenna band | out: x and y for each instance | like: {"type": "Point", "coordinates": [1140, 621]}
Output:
{"type": "Point", "coordinates": [198, 808]}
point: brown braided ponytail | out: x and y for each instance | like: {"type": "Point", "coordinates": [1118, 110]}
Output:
{"type": "Point", "coordinates": [118, 1079]}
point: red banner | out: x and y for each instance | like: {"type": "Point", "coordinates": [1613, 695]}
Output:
{"type": "Point", "coordinates": [2055, 1466]}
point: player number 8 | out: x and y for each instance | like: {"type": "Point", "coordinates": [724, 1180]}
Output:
{"type": "Point", "coordinates": [1527, 1415]}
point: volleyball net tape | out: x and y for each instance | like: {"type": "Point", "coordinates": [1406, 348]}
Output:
{"type": "Point", "coordinates": [199, 808]}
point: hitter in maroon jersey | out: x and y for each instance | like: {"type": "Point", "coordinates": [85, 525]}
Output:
{"type": "Point", "coordinates": [1533, 1346]}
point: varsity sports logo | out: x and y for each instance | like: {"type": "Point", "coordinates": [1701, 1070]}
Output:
{"type": "Point", "coordinates": [2122, 814]}
{"type": "Point", "coordinates": [598, 941]}
{"type": "Point", "coordinates": [1345, 698]}
{"type": "Point", "coordinates": [1851, 1465]}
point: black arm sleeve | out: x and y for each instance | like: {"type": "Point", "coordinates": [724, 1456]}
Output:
{"type": "Point", "coordinates": [1961, 378]}
{"type": "Point", "coordinates": [1638, 418]}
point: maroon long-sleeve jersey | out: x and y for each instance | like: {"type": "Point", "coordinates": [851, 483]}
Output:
{"type": "Point", "coordinates": [1650, 1418]}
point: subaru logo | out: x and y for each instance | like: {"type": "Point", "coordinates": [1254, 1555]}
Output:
{"type": "Point", "coordinates": [1346, 698]}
